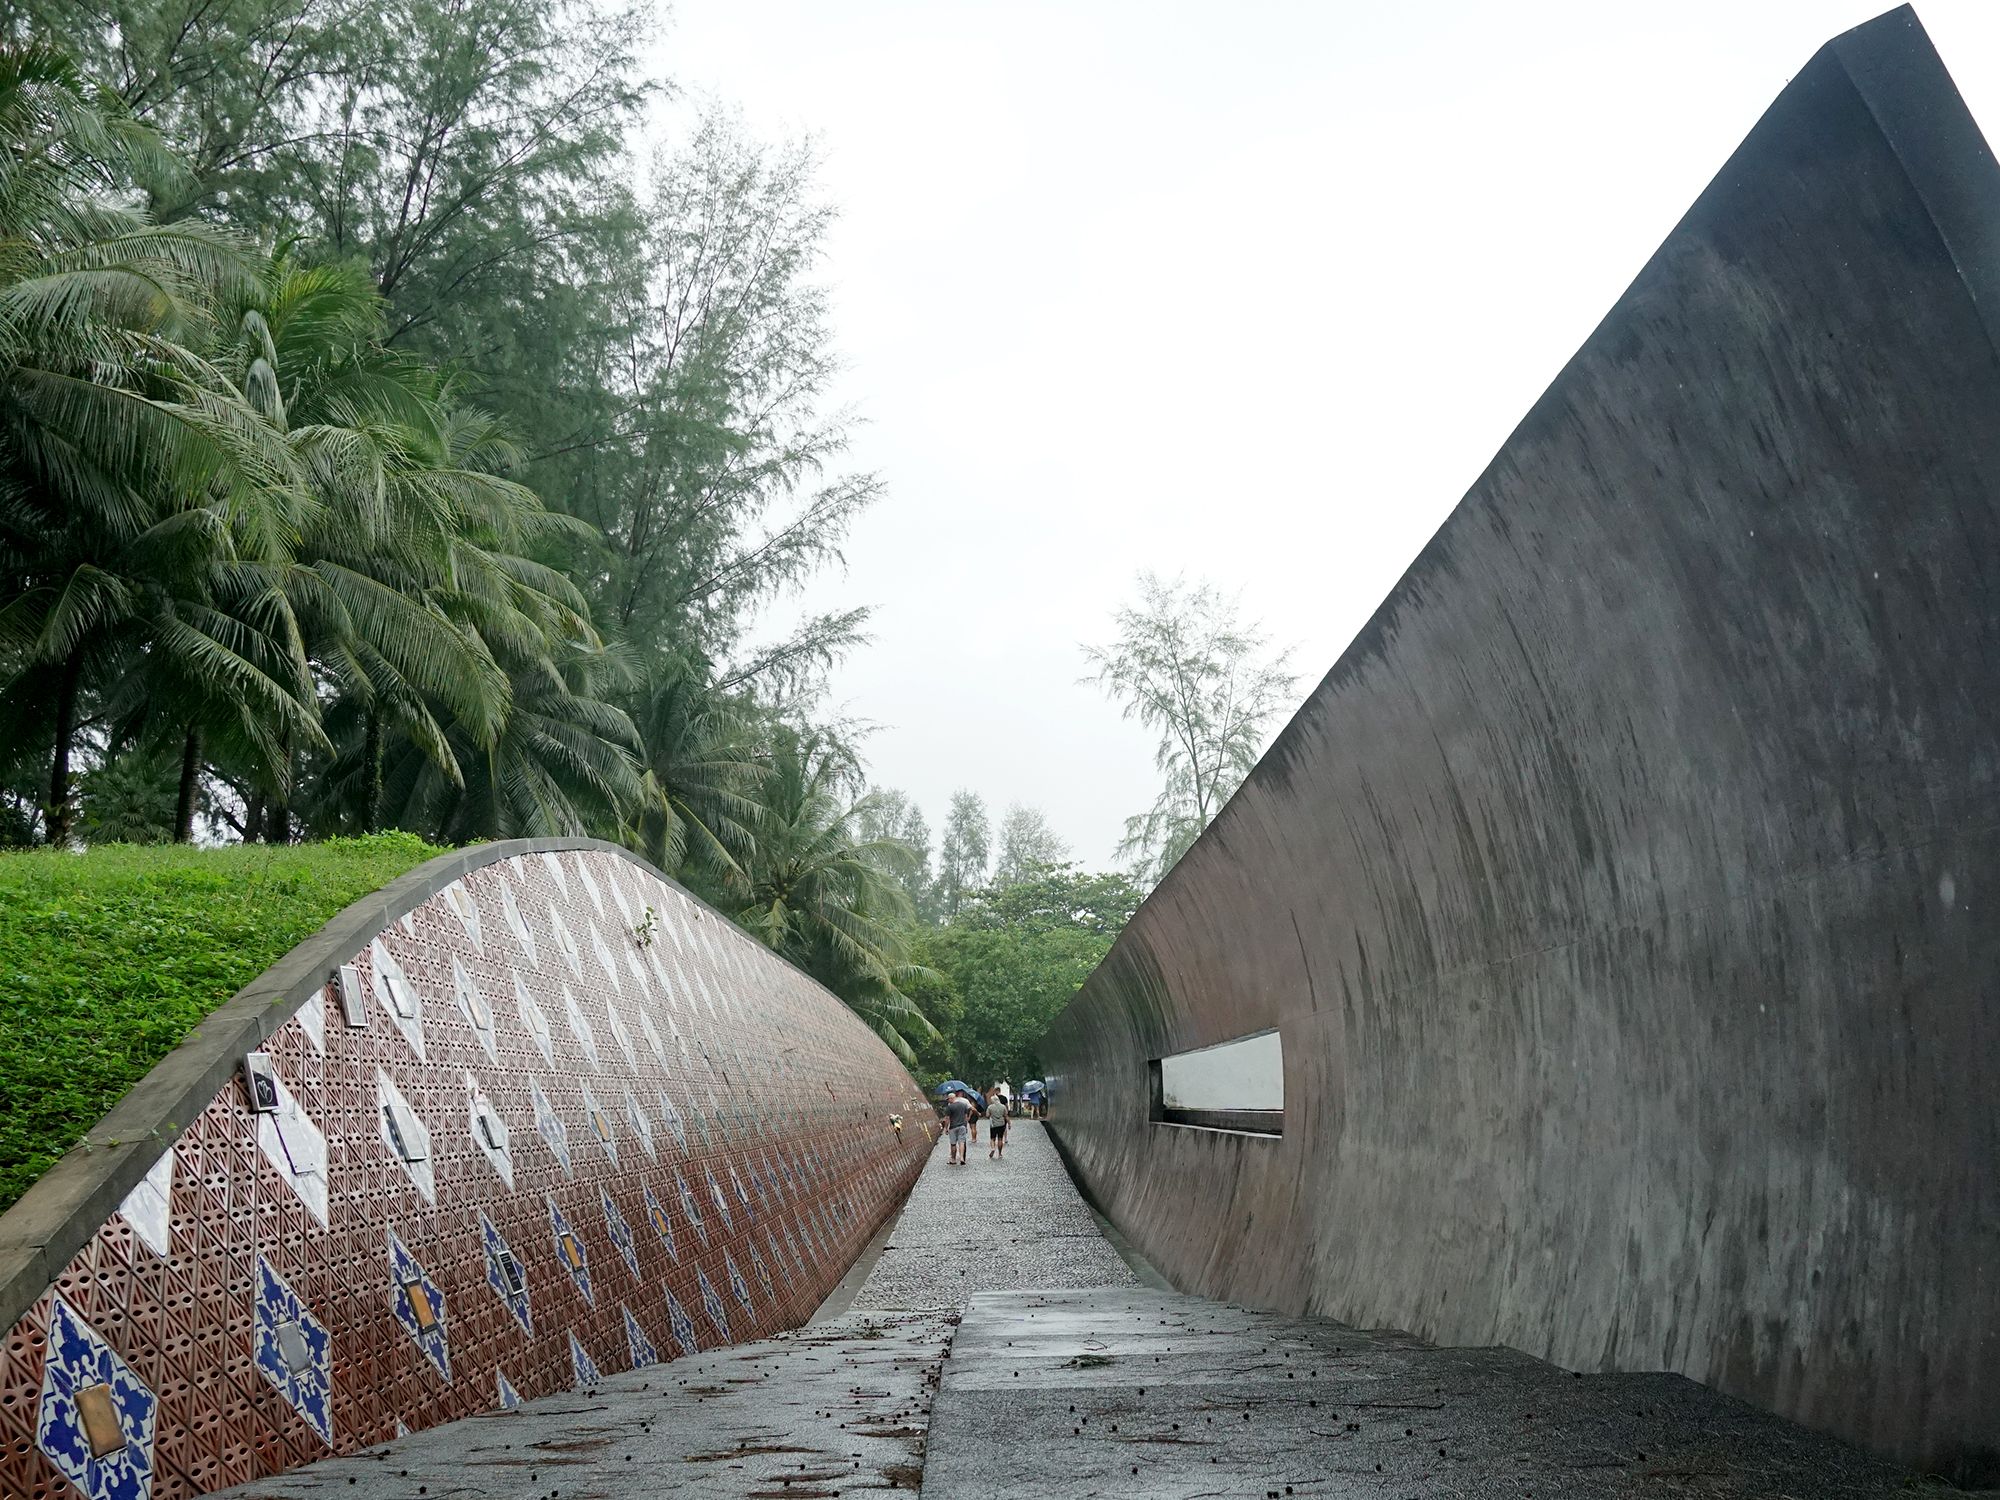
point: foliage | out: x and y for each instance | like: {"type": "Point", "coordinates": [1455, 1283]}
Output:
{"type": "Point", "coordinates": [825, 897]}
{"type": "Point", "coordinates": [1013, 958]}
{"type": "Point", "coordinates": [1027, 842]}
{"type": "Point", "coordinates": [1185, 667]}
{"type": "Point", "coordinates": [109, 959]}
{"type": "Point", "coordinates": [964, 853]}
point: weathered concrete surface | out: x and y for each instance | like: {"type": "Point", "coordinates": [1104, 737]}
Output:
{"type": "Point", "coordinates": [1108, 1393]}
{"type": "Point", "coordinates": [1624, 896]}
{"type": "Point", "coordinates": [837, 1408]}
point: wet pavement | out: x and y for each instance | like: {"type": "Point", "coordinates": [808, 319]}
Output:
{"type": "Point", "coordinates": [991, 1226]}
{"type": "Point", "coordinates": [1126, 1393]}
{"type": "Point", "coordinates": [834, 1409]}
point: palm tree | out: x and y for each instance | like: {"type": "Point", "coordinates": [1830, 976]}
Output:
{"type": "Point", "coordinates": [826, 897]}
{"type": "Point", "coordinates": [144, 508]}
{"type": "Point", "coordinates": [698, 809]}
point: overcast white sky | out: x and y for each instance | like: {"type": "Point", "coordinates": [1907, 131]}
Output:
{"type": "Point", "coordinates": [1250, 291]}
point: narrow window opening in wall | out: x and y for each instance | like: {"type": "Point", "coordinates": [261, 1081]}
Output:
{"type": "Point", "coordinates": [1236, 1085]}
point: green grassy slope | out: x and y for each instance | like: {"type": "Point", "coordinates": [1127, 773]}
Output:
{"type": "Point", "coordinates": [108, 959]}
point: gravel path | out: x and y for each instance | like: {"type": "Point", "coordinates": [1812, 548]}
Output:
{"type": "Point", "coordinates": [1009, 1225]}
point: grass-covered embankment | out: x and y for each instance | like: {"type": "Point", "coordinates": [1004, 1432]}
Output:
{"type": "Point", "coordinates": [108, 959]}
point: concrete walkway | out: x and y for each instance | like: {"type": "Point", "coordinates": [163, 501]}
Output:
{"type": "Point", "coordinates": [991, 1226]}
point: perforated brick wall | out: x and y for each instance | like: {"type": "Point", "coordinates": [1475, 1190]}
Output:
{"type": "Point", "coordinates": [694, 1141]}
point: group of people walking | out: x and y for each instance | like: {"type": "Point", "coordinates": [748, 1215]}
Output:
{"type": "Point", "coordinates": [963, 1112]}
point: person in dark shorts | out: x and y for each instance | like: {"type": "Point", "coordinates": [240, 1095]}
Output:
{"type": "Point", "coordinates": [958, 1111]}
{"type": "Point", "coordinates": [996, 1125]}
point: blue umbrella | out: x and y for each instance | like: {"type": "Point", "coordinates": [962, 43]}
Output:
{"type": "Point", "coordinates": [955, 1086]}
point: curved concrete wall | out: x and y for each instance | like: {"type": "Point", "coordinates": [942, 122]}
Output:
{"type": "Point", "coordinates": [678, 1139]}
{"type": "Point", "coordinates": [1624, 897]}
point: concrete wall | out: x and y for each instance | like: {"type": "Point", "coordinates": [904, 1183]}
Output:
{"type": "Point", "coordinates": [1627, 896]}
{"type": "Point", "coordinates": [679, 1139]}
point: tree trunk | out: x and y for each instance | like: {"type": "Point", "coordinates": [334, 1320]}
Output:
{"type": "Point", "coordinates": [371, 784]}
{"type": "Point", "coordinates": [59, 812]}
{"type": "Point", "coordinates": [253, 818]}
{"type": "Point", "coordinates": [190, 772]}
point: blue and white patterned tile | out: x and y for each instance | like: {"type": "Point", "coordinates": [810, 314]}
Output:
{"type": "Point", "coordinates": [460, 903]}
{"type": "Point", "coordinates": [404, 1135]}
{"type": "Point", "coordinates": [294, 1351]}
{"type": "Point", "coordinates": [674, 1121]}
{"type": "Point", "coordinates": [621, 1234]}
{"type": "Point", "coordinates": [587, 1373]}
{"type": "Point", "coordinates": [636, 1343]}
{"type": "Point", "coordinates": [565, 943]}
{"type": "Point", "coordinates": [506, 1275]}
{"type": "Point", "coordinates": [763, 1270]}
{"type": "Point", "coordinates": [82, 1373]}
{"type": "Point", "coordinates": [570, 1252]}
{"type": "Point", "coordinates": [738, 1285]}
{"type": "Point", "coordinates": [510, 1399]}
{"type": "Point", "coordinates": [711, 1302]}
{"type": "Point", "coordinates": [721, 1204]}
{"type": "Point", "coordinates": [642, 1125]}
{"type": "Point", "coordinates": [418, 1305]}
{"type": "Point", "coordinates": [682, 1325]}
{"type": "Point", "coordinates": [489, 1130]}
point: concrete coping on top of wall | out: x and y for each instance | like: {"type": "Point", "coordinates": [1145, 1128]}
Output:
{"type": "Point", "coordinates": [57, 1216]}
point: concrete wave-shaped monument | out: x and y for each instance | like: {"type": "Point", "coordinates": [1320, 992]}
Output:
{"type": "Point", "coordinates": [1623, 899]}
{"type": "Point", "coordinates": [529, 1114]}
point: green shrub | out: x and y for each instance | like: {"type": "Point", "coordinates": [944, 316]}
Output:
{"type": "Point", "coordinates": [109, 959]}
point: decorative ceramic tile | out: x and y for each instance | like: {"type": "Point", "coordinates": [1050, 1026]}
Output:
{"type": "Point", "coordinates": [656, 1215]}
{"type": "Point", "coordinates": [782, 1067]}
{"type": "Point", "coordinates": [579, 1026]}
{"type": "Point", "coordinates": [551, 1126]}
{"type": "Point", "coordinates": [721, 1205]}
{"type": "Point", "coordinates": [738, 1285]}
{"type": "Point", "coordinates": [555, 869]}
{"type": "Point", "coordinates": [621, 1035]}
{"type": "Point", "coordinates": [570, 1252]}
{"type": "Point", "coordinates": [535, 1019]}
{"type": "Point", "coordinates": [489, 1130]}
{"type": "Point", "coordinates": [95, 1419]}
{"type": "Point", "coordinates": [418, 1305]}
{"type": "Point", "coordinates": [399, 998]}
{"type": "Point", "coordinates": [682, 1325]}
{"type": "Point", "coordinates": [601, 1129]}
{"type": "Point", "coordinates": [517, 924]}
{"type": "Point", "coordinates": [293, 1351]}
{"type": "Point", "coordinates": [404, 1135]}
{"type": "Point", "coordinates": [712, 1304]}
{"type": "Point", "coordinates": [506, 1275]}
{"type": "Point", "coordinates": [565, 944]}
{"type": "Point", "coordinates": [691, 1209]}
{"type": "Point", "coordinates": [458, 900]}
{"type": "Point", "coordinates": [636, 1343]}
{"type": "Point", "coordinates": [642, 1126]}
{"type": "Point", "coordinates": [311, 1018]}
{"type": "Point", "coordinates": [621, 1235]}
{"type": "Point", "coordinates": [587, 1373]}
{"type": "Point", "coordinates": [510, 1399]}
{"type": "Point", "coordinates": [474, 1007]}
{"type": "Point", "coordinates": [295, 1146]}
{"type": "Point", "coordinates": [674, 1121]}
{"type": "Point", "coordinates": [148, 1208]}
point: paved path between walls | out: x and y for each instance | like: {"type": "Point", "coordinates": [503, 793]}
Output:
{"type": "Point", "coordinates": [991, 1226]}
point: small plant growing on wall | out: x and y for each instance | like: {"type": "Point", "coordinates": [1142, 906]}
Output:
{"type": "Point", "coordinates": [647, 928]}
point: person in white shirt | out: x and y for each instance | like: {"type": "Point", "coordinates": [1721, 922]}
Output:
{"type": "Point", "coordinates": [996, 1125]}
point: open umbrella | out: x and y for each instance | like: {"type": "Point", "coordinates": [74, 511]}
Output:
{"type": "Point", "coordinates": [1032, 1086]}
{"type": "Point", "coordinates": [956, 1086]}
